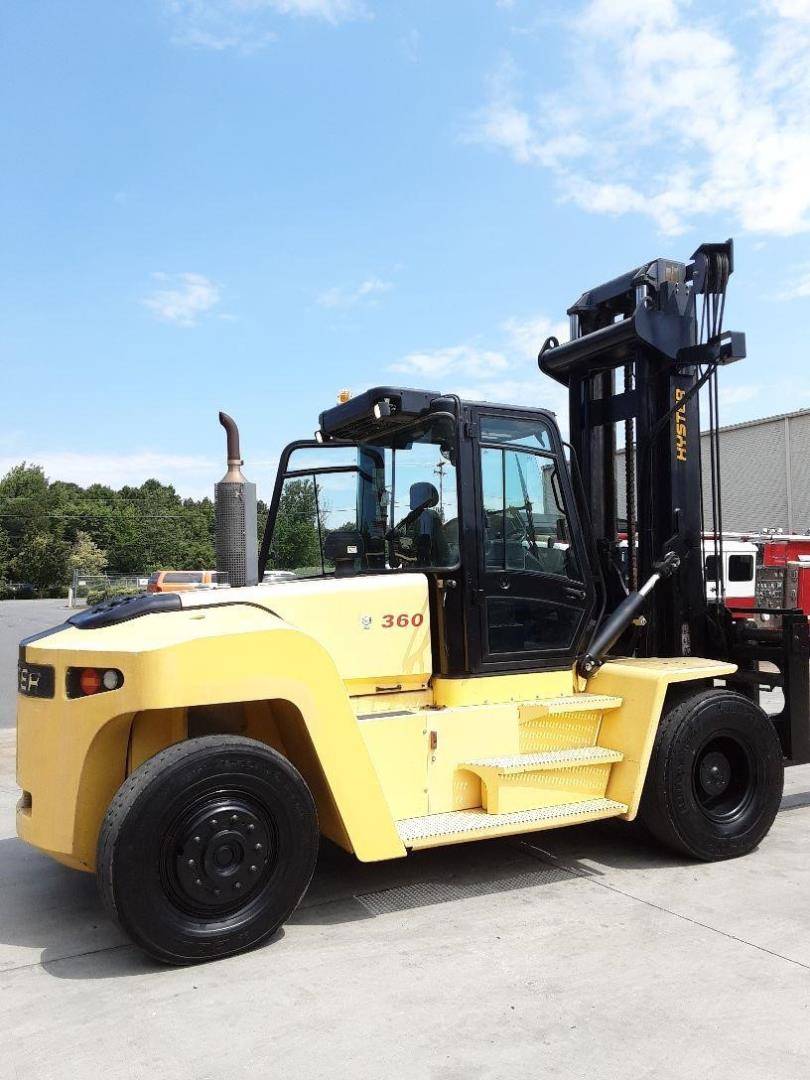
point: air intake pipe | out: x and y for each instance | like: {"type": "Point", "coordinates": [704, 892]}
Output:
{"type": "Point", "coordinates": [235, 503]}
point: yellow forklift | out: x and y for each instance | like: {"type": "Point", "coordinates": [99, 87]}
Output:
{"type": "Point", "coordinates": [436, 642]}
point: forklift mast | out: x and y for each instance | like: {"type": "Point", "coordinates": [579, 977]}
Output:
{"type": "Point", "coordinates": [641, 347]}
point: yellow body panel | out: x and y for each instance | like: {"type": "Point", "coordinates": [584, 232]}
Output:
{"type": "Point", "coordinates": [153, 730]}
{"type": "Point", "coordinates": [463, 733]}
{"type": "Point", "coordinates": [321, 672]}
{"type": "Point", "coordinates": [348, 617]}
{"type": "Point", "coordinates": [642, 684]}
{"type": "Point", "coordinates": [72, 753]}
{"type": "Point", "coordinates": [493, 689]}
{"type": "Point", "coordinates": [399, 748]}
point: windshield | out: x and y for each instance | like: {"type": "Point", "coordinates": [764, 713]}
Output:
{"type": "Point", "coordinates": [390, 504]}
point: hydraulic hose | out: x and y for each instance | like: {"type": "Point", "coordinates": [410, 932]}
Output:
{"type": "Point", "coordinates": [619, 620]}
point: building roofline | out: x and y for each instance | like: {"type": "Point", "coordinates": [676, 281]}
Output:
{"type": "Point", "coordinates": [760, 420]}
{"type": "Point", "coordinates": [749, 423]}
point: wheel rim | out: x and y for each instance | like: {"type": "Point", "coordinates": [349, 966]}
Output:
{"type": "Point", "coordinates": [218, 854]}
{"type": "Point", "coordinates": [723, 778]}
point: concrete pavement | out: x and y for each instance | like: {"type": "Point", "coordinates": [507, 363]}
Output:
{"type": "Point", "coordinates": [582, 952]}
{"type": "Point", "coordinates": [18, 619]}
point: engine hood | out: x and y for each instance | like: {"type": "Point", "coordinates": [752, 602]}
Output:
{"type": "Point", "coordinates": [373, 627]}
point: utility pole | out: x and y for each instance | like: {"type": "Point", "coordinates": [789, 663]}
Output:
{"type": "Point", "coordinates": [439, 470]}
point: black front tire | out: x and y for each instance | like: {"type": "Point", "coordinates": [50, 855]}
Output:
{"type": "Point", "coordinates": [207, 849]}
{"type": "Point", "coordinates": [715, 777]}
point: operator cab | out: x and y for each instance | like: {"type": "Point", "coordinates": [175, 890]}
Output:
{"type": "Point", "coordinates": [477, 497]}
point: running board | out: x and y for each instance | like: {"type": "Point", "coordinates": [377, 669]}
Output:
{"type": "Point", "coordinates": [459, 825]}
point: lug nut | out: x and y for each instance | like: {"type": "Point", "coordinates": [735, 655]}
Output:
{"type": "Point", "coordinates": [197, 840]}
{"type": "Point", "coordinates": [190, 862]}
{"type": "Point", "coordinates": [253, 869]}
{"type": "Point", "coordinates": [198, 881]}
{"type": "Point", "coordinates": [237, 885]}
{"type": "Point", "coordinates": [251, 828]}
{"type": "Point", "coordinates": [257, 847]}
{"type": "Point", "coordinates": [234, 817]}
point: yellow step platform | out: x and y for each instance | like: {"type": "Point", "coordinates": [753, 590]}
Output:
{"type": "Point", "coordinates": [461, 825]}
{"type": "Point", "coordinates": [563, 723]}
{"type": "Point", "coordinates": [547, 778]}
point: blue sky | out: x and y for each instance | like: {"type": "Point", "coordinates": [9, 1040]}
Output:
{"type": "Point", "coordinates": [251, 204]}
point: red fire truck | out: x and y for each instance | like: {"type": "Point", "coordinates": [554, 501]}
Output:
{"type": "Point", "coordinates": [739, 561]}
{"type": "Point", "coordinates": [783, 579]}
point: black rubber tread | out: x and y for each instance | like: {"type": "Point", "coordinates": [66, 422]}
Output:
{"type": "Point", "coordinates": [668, 806]}
{"type": "Point", "coordinates": [143, 783]}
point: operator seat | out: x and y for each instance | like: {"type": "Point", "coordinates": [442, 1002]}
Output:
{"type": "Point", "coordinates": [427, 529]}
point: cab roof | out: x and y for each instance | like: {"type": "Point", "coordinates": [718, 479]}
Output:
{"type": "Point", "coordinates": [385, 409]}
{"type": "Point", "coordinates": [396, 406]}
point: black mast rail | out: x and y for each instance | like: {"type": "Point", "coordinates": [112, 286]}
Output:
{"type": "Point", "coordinates": [646, 322]}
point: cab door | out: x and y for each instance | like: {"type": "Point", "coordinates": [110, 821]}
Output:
{"type": "Point", "coordinates": [535, 592]}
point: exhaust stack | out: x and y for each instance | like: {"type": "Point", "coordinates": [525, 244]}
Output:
{"type": "Point", "coordinates": [235, 502]}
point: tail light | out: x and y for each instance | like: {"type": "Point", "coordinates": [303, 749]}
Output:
{"type": "Point", "coordinates": [84, 682]}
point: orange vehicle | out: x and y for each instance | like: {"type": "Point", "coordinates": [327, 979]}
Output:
{"type": "Point", "coordinates": [176, 581]}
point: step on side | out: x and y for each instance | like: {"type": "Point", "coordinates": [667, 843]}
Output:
{"type": "Point", "coordinates": [545, 779]}
{"type": "Point", "coordinates": [459, 826]}
{"type": "Point", "coordinates": [563, 723]}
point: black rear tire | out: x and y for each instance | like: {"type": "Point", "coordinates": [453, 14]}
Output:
{"type": "Point", "coordinates": [715, 778]}
{"type": "Point", "coordinates": [207, 849]}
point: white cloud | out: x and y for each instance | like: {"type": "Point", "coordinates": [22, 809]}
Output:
{"type": "Point", "coordinates": [452, 360]}
{"type": "Point", "coordinates": [337, 297]}
{"type": "Point", "coordinates": [791, 9]}
{"type": "Point", "coordinates": [665, 116]}
{"type": "Point", "coordinates": [503, 123]}
{"type": "Point", "coordinates": [799, 286]}
{"type": "Point", "coordinates": [738, 395]}
{"type": "Point", "coordinates": [506, 374]}
{"type": "Point", "coordinates": [333, 11]}
{"type": "Point", "coordinates": [183, 298]}
{"type": "Point", "coordinates": [248, 25]}
{"type": "Point", "coordinates": [526, 336]}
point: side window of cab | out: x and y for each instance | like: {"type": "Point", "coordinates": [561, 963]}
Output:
{"type": "Point", "coordinates": [535, 595]}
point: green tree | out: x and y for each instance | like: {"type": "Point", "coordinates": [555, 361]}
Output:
{"type": "Point", "coordinates": [295, 536]}
{"type": "Point", "coordinates": [262, 512]}
{"type": "Point", "coordinates": [25, 502]}
{"type": "Point", "coordinates": [41, 559]}
{"type": "Point", "coordinates": [86, 556]}
{"type": "Point", "coordinates": [5, 553]}
{"type": "Point", "coordinates": [48, 528]}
